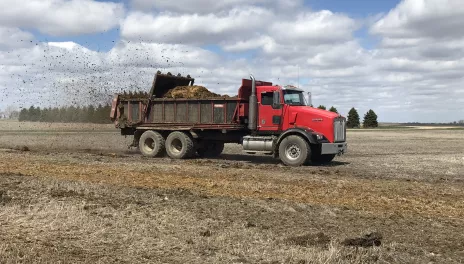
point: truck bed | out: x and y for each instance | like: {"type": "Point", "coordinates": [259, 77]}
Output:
{"type": "Point", "coordinates": [162, 113]}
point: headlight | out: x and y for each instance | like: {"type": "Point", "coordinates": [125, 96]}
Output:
{"type": "Point", "coordinates": [319, 137]}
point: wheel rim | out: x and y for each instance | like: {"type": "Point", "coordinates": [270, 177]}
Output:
{"type": "Point", "coordinates": [176, 146]}
{"type": "Point", "coordinates": [292, 152]}
{"type": "Point", "coordinates": [149, 145]}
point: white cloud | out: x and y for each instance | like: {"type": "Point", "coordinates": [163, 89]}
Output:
{"type": "Point", "coordinates": [348, 54]}
{"type": "Point", "coordinates": [414, 74]}
{"type": "Point", "coordinates": [437, 19]}
{"type": "Point", "coordinates": [249, 44]}
{"type": "Point", "coordinates": [237, 23]}
{"type": "Point", "coordinates": [14, 38]}
{"type": "Point", "coordinates": [314, 28]}
{"type": "Point", "coordinates": [61, 17]}
{"type": "Point", "coordinates": [422, 53]}
{"type": "Point", "coordinates": [211, 6]}
{"type": "Point", "coordinates": [238, 28]}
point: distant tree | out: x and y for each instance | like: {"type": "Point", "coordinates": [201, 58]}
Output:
{"type": "Point", "coordinates": [55, 115]}
{"type": "Point", "coordinates": [90, 114]}
{"type": "Point", "coordinates": [49, 115]}
{"type": "Point", "coordinates": [87, 114]}
{"type": "Point", "coordinates": [370, 119]}
{"type": "Point", "coordinates": [77, 114]}
{"type": "Point", "coordinates": [38, 114]}
{"type": "Point", "coordinates": [353, 118]}
{"type": "Point", "coordinates": [106, 114]}
{"type": "Point", "coordinates": [82, 114]}
{"type": "Point", "coordinates": [333, 109]}
{"type": "Point", "coordinates": [13, 115]}
{"type": "Point", "coordinates": [23, 115]}
{"type": "Point", "coordinates": [102, 114]}
{"type": "Point", "coordinates": [98, 114]}
{"type": "Point", "coordinates": [70, 112]}
{"type": "Point", "coordinates": [43, 115]}
{"type": "Point", "coordinates": [322, 107]}
{"type": "Point", "coordinates": [11, 112]}
{"type": "Point", "coordinates": [33, 114]}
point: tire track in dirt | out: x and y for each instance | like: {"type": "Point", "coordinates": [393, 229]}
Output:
{"type": "Point", "coordinates": [379, 196]}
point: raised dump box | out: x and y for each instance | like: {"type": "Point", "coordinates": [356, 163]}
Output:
{"type": "Point", "coordinates": [153, 111]}
{"type": "Point", "coordinates": [175, 112]}
{"type": "Point", "coordinates": [209, 111]}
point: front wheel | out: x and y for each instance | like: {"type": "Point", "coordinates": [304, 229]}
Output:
{"type": "Point", "coordinates": [294, 151]}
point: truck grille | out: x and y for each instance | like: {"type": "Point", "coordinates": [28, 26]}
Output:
{"type": "Point", "coordinates": [339, 130]}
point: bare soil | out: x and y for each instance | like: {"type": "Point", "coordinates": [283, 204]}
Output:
{"type": "Point", "coordinates": [83, 197]}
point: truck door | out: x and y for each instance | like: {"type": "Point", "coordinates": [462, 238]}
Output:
{"type": "Point", "coordinates": [269, 119]}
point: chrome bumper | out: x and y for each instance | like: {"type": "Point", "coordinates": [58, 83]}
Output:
{"type": "Point", "coordinates": [334, 148]}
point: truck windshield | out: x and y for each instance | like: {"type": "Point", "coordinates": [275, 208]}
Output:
{"type": "Point", "coordinates": [294, 98]}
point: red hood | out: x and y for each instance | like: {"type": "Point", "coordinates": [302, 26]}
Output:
{"type": "Point", "coordinates": [316, 112]}
{"type": "Point", "coordinates": [318, 120]}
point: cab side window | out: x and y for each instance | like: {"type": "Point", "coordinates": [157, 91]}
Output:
{"type": "Point", "coordinates": [266, 98]}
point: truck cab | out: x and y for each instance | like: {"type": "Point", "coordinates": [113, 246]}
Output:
{"type": "Point", "coordinates": [284, 115]}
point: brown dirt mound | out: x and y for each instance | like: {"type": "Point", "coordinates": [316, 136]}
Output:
{"type": "Point", "coordinates": [369, 240]}
{"type": "Point", "coordinates": [4, 198]}
{"type": "Point", "coordinates": [310, 240]}
{"type": "Point", "coordinates": [194, 91]}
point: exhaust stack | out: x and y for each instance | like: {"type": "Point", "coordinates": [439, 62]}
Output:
{"type": "Point", "coordinates": [253, 105]}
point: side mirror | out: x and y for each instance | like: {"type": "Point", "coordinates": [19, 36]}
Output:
{"type": "Point", "coordinates": [276, 100]}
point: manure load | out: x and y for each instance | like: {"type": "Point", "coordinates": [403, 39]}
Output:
{"type": "Point", "coordinates": [190, 92]}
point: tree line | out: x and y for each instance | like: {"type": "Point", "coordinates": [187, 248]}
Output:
{"type": "Point", "coordinates": [370, 118]}
{"type": "Point", "coordinates": [70, 114]}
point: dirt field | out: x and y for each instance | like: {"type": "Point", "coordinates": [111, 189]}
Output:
{"type": "Point", "coordinates": [82, 196]}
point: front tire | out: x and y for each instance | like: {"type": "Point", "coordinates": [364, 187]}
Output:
{"type": "Point", "coordinates": [294, 151]}
{"type": "Point", "coordinates": [179, 145]}
{"type": "Point", "coordinates": [151, 144]}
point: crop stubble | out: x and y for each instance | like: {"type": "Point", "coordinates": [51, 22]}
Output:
{"type": "Point", "coordinates": [408, 185]}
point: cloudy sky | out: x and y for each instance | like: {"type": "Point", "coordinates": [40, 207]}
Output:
{"type": "Point", "coordinates": [404, 59]}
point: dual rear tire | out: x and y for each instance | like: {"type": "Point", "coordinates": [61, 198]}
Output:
{"type": "Point", "coordinates": [178, 145]}
{"type": "Point", "coordinates": [152, 144]}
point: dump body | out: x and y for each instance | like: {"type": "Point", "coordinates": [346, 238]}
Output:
{"type": "Point", "coordinates": [181, 113]}
{"type": "Point", "coordinates": [131, 112]}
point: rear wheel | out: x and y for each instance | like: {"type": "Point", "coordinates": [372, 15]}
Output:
{"type": "Point", "coordinates": [210, 149]}
{"type": "Point", "coordinates": [179, 145]}
{"type": "Point", "coordinates": [151, 144]}
{"type": "Point", "coordinates": [294, 151]}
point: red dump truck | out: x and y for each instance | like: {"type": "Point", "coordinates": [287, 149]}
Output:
{"type": "Point", "coordinates": [263, 118]}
